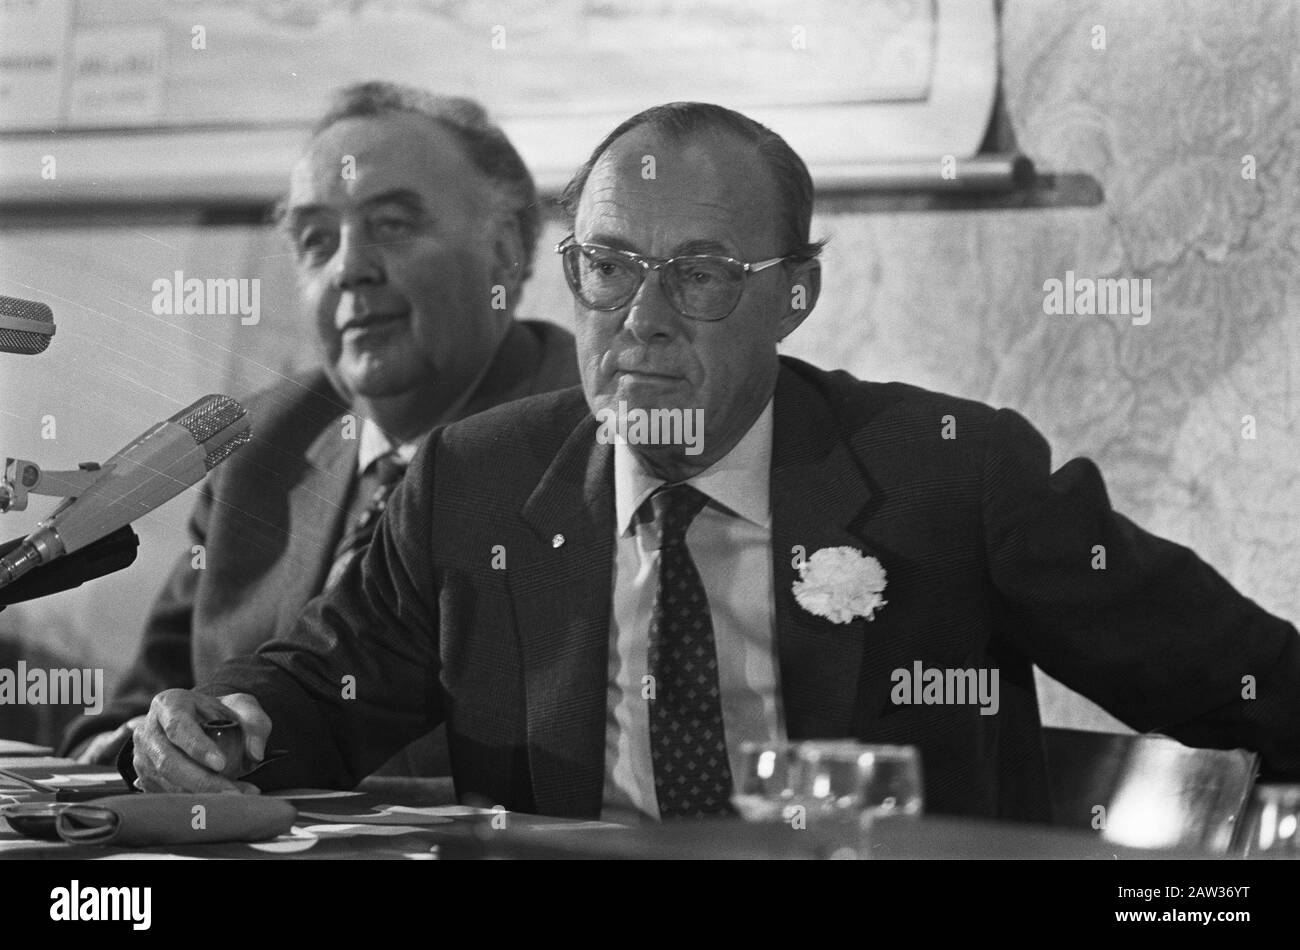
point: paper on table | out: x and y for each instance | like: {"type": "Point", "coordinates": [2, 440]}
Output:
{"type": "Point", "coordinates": [147, 856]}
{"type": "Point", "coordinates": [26, 844]}
{"type": "Point", "coordinates": [577, 826]}
{"type": "Point", "coordinates": [294, 840]}
{"type": "Point", "coordinates": [81, 778]}
{"type": "Point", "coordinates": [34, 762]}
{"type": "Point", "coordinates": [338, 831]}
{"type": "Point", "coordinates": [448, 811]}
{"type": "Point", "coordinates": [14, 747]}
{"type": "Point", "coordinates": [388, 815]}
{"type": "Point", "coordinates": [305, 794]}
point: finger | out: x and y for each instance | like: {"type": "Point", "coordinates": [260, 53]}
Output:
{"type": "Point", "coordinates": [168, 769]}
{"type": "Point", "coordinates": [175, 714]}
{"type": "Point", "coordinates": [148, 777]}
{"type": "Point", "coordinates": [248, 788]}
{"type": "Point", "coordinates": [254, 720]}
{"type": "Point", "coordinates": [167, 766]}
{"type": "Point", "coordinates": [142, 767]}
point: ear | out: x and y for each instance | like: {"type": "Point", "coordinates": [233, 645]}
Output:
{"type": "Point", "coordinates": [804, 288]}
{"type": "Point", "coordinates": [508, 267]}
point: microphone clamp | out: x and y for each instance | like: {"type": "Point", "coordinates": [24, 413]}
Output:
{"type": "Point", "coordinates": [22, 477]}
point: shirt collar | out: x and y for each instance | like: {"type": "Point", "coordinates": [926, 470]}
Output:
{"type": "Point", "coordinates": [375, 444]}
{"type": "Point", "coordinates": [740, 480]}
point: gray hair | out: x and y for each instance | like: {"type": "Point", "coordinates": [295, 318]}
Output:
{"type": "Point", "coordinates": [485, 144]}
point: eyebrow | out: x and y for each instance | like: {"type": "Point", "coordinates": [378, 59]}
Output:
{"type": "Point", "coordinates": [695, 246]}
{"type": "Point", "coordinates": [290, 217]}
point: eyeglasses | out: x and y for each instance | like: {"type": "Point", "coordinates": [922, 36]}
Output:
{"type": "Point", "coordinates": [699, 286]}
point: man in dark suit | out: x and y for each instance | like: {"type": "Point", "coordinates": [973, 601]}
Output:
{"type": "Point", "coordinates": [413, 221]}
{"type": "Point", "coordinates": [602, 614]}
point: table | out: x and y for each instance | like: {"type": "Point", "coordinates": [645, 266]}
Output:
{"type": "Point", "coordinates": [400, 819]}
{"type": "Point", "coordinates": [416, 819]}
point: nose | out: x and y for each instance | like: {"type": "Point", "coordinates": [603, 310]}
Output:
{"type": "Point", "coordinates": [356, 261]}
{"type": "Point", "coordinates": [650, 316]}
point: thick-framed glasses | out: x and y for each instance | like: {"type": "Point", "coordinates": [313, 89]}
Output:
{"type": "Point", "coordinates": [699, 286]}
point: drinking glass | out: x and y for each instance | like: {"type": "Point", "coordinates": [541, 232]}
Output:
{"type": "Point", "coordinates": [762, 789]}
{"type": "Point", "coordinates": [830, 778]}
{"type": "Point", "coordinates": [1271, 825]}
{"type": "Point", "coordinates": [893, 786]}
{"type": "Point", "coordinates": [840, 778]}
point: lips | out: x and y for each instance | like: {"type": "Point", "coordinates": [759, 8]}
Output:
{"type": "Point", "coordinates": [639, 364]}
{"type": "Point", "coordinates": [371, 321]}
{"type": "Point", "coordinates": [646, 373]}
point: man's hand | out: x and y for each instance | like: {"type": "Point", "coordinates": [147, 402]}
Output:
{"type": "Point", "coordinates": [103, 748]}
{"type": "Point", "coordinates": [173, 754]}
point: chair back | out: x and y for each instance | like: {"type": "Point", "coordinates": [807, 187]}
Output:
{"type": "Point", "coordinates": [1148, 791]}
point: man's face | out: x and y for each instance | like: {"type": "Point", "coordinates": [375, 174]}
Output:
{"type": "Point", "coordinates": [709, 195]}
{"type": "Point", "coordinates": [397, 250]}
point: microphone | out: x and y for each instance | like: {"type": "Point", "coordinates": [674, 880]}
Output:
{"type": "Point", "coordinates": [25, 326]}
{"type": "Point", "coordinates": [152, 470]}
{"type": "Point", "coordinates": [113, 553]}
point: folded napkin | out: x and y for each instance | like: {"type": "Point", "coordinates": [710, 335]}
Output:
{"type": "Point", "coordinates": [175, 819]}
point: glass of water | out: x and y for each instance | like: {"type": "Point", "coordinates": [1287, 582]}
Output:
{"type": "Point", "coordinates": [839, 778]}
{"type": "Point", "coordinates": [893, 786]}
{"type": "Point", "coordinates": [1271, 825]}
{"type": "Point", "coordinates": [763, 788]}
{"type": "Point", "coordinates": [830, 778]}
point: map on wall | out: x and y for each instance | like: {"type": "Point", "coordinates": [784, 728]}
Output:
{"type": "Point", "coordinates": [86, 64]}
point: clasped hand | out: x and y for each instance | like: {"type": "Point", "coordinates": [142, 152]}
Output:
{"type": "Point", "coordinates": [173, 754]}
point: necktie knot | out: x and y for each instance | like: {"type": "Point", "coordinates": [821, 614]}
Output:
{"type": "Point", "coordinates": [378, 482]}
{"type": "Point", "coordinates": [388, 470]}
{"type": "Point", "coordinates": [677, 506]}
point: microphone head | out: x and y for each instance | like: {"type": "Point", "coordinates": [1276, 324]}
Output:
{"type": "Point", "coordinates": [25, 326]}
{"type": "Point", "coordinates": [156, 467]}
{"type": "Point", "coordinates": [209, 421]}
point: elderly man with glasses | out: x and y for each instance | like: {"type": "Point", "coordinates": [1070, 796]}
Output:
{"type": "Point", "coordinates": [601, 626]}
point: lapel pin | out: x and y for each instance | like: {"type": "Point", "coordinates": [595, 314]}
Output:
{"type": "Point", "coordinates": [557, 541]}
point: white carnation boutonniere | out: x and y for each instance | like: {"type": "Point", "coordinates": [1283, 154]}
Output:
{"type": "Point", "coordinates": [840, 584]}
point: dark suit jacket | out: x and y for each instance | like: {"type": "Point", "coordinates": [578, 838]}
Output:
{"type": "Point", "coordinates": [270, 520]}
{"type": "Point", "coordinates": [989, 559]}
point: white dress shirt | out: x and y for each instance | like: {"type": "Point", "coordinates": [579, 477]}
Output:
{"type": "Point", "coordinates": [374, 444]}
{"type": "Point", "coordinates": [730, 541]}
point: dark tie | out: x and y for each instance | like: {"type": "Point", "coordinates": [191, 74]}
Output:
{"type": "Point", "coordinates": [377, 483]}
{"type": "Point", "coordinates": [687, 742]}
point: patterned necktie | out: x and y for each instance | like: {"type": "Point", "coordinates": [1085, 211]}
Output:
{"type": "Point", "coordinates": [380, 481]}
{"type": "Point", "coordinates": [688, 745]}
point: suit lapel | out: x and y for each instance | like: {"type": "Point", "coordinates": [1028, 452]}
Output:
{"type": "Point", "coordinates": [562, 599]}
{"type": "Point", "coordinates": [818, 493]}
{"type": "Point", "coordinates": [318, 506]}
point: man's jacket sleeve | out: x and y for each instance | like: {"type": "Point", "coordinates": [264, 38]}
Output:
{"type": "Point", "coordinates": [356, 678]}
{"type": "Point", "coordinates": [1138, 624]}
